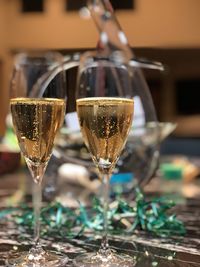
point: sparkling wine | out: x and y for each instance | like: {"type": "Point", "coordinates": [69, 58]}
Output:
{"type": "Point", "coordinates": [105, 123]}
{"type": "Point", "coordinates": [36, 122]}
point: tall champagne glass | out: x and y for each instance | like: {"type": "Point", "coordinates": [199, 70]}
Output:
{"type": "Point", "coordinates": [37, 106]}
{"type": "Point", "coordinates": [105, 110]}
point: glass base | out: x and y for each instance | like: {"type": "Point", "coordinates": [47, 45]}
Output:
{"type": "Point", "coordinates": [109, 260]}
{"type": "Point", "coordinates": [36, 257]}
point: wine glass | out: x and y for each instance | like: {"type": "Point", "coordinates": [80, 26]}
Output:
{"type": "Point", "coordinates": [37, 107]}
{"type": "Point", "coordinates": [105, 107]}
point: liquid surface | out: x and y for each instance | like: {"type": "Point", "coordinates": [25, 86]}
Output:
{"type": "Point", "coordinates": [105, 123]}
{"type": "Point", "coordinates": [36, 122]}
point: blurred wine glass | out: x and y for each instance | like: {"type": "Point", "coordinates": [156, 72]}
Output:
{"type": "Point", "coordinates": [140, 157]}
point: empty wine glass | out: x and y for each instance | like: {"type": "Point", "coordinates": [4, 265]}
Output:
{"type": "Point", "coordinates": [37, 109]}
{"type": "Point", "coordinates": [111, 40]}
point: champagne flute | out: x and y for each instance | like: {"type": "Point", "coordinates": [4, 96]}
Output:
{"type": "Point", "coordinates": [37, 107]}
{"type": "Point", "coordinates": [105, 109]}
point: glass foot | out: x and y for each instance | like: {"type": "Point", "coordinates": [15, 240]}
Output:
{"type": "Point", "coordinates": [36, 257]}
{"type": "Point", "coordinates": [98, 260]}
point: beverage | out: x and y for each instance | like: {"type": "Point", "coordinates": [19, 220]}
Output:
{"type": "Point", "coordinates": [36, 122]}
{"type": "Point", "coordinates": [105, 123]}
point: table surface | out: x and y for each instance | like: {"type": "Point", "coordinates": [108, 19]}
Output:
{"type": "Point", "coordinates": [146, 249]}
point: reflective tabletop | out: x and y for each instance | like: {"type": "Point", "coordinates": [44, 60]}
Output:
{"type": "Point", "coordinates": [146, 249]}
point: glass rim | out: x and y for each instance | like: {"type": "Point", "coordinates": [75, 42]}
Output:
{"type": "Point", "coordinates": [140, 63]}
{"type": "Point", "coordinates": [22, 58]}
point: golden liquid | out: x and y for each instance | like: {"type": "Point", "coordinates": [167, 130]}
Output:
{"type": "Point", "coordinates": [36, 122]}
{"type": "Point", "coordinates": [105, 123]}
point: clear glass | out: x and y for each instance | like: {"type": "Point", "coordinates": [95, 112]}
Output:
{"type": "Point", "coordinates": [112, 40]}
{"type": "Point", "coordinates": [140, 157]}
{"type": "Point", "coordinates": [105, 109]}
{"type": "Point", "coordinates": [37, 105]}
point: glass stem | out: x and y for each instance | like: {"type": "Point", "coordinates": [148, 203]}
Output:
{"type": "Point", "coordinates": [37, 199]}
{"type": "Point", "coordinates": [104, 243]}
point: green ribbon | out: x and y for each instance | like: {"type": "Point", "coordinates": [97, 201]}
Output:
{"type": "Point", "coordinates": [152, 216]}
